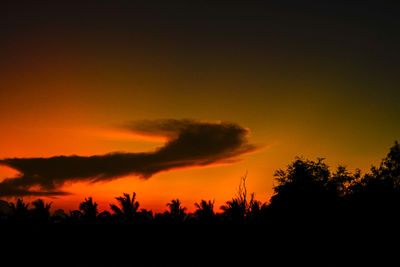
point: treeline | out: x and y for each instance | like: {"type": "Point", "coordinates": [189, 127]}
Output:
{"type": "Point", "coordinates": [128, 211]}
{"type": "Point", "coordinates": [317, 217]}
{"type": "Point", "coordinates": [240, 208]}
{"type": "Point", "coordinates": [307, 188]}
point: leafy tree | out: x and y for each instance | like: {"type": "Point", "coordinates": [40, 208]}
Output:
{"type": "Point", "coordinates": [379, 191]}
{"type": "Point", "coordinates": [390, 165]}
{"type": "Point", "coordinates": [305, 186]}
{"type": "Point", "coordinates": [342, 180]}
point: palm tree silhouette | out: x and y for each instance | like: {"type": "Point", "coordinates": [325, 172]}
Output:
{"type": "Point", "coordinates": [128, 206]}
{"type": "Point", "coordinates": [19, 209]}
{"type": "Point", "coordinates": [205, 209]}
{"type": "Point", "coordinates": [235, 209]}
{"type": "Point", "coordinates": [256, 208]}
{"type": "Point", "coordinates": [238, 207]}
{"type": "Point", "coordinates": [176, 211]}
{"type": "Point", "coordinates": [89, 209]}
{"type": "Point", "coordinates": [41, 210]}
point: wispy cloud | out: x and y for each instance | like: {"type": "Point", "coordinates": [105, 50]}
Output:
{"type": "Point", "coordinates": [190, 143]}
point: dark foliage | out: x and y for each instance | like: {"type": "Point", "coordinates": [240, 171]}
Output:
{"type": "Point", "coordinates": [88, 209]}
{"type": "Point", "coordinates": [128, 207]}
{"type": "Point", "coordinates": [316, 217]}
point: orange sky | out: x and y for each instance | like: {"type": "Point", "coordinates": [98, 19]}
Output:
{"type": "Point", "coordinates": [189, 184]}
{"type": "Point", "coordinates": [304, 83]}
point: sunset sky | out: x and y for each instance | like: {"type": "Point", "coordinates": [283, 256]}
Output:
{"type": "Point", "coordinates": [281, 79]}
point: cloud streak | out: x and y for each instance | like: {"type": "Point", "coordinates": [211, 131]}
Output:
{"type": "Point", "coordinates": [190, 143]}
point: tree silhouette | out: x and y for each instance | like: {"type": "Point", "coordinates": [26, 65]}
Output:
{"type": "Point", "coordinates": [390, 166]}
{"type": "Point", "coordinates": [205, 209]}
{"type": "Point", "coordinates": [176, 211]}
{"type": "Point", "coordinates": [234, 210]}
{"type": "Point", "coordinates": [311, 209]}
{"type": "Point", "coordinates": [305, 186]}
{"type": "Point", "coordinates": [342, 180]}
{"type": "Point", "coordinates": [256, 209]}
{"type": "Point", "coordinates": [88, 209]}
{"type": "Point", "coordinates": [237, 208]}
{"type": "Point", "coordinates": [41, 211]}
{"type": "Point", "coordinates": [20, 209]}
{"type": "Point", "coordinates": [59, 216]}
{"type": "Point", "coordinates": [378, 191]}
{"type": "Point", "coordinates": [104, 214]}
{"type": "Point", "coordinates": [105, 217]}
{"type": "Point", "coordinates": [128, 207]}
{"type": "Point", "coordinates": [74, 216]}
{"type": "Point", "coordinates": [144, 216]}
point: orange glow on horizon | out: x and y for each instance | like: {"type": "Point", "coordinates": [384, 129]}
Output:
{"type": "Point", "coordinates": [69, 92]}
{"type": "Point", "coordinates": [152, 193]}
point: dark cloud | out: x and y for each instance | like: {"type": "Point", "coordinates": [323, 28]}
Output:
{"type": "Point", "coordinates": [190, 143]}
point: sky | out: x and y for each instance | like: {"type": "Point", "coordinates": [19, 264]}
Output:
{"type": "Point", "coordinates": [203, 91]}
